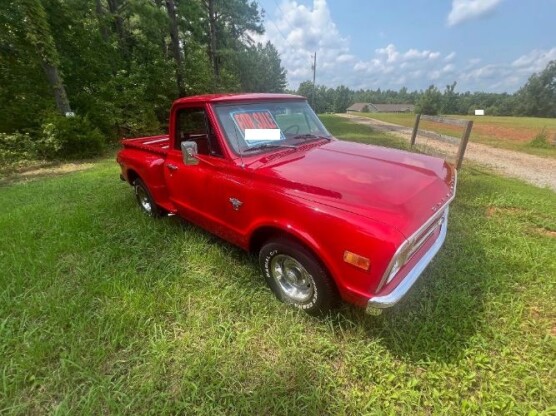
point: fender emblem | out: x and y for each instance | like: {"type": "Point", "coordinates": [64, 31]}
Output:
{"type": "Point", "coordinates": [236, 203]}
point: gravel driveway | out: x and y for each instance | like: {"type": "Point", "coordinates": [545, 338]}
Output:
{"type": "Point", "coordinates": [538, 171]}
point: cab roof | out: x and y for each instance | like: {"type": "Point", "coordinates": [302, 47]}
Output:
{"type": "Point", "coordinates": [214, 98]}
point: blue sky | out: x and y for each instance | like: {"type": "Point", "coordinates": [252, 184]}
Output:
{"type": "Point", "coordinates": [484, 45]}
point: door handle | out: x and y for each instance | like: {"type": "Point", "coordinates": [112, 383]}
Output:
{"type": "Point", "coordinates": [171, 166]}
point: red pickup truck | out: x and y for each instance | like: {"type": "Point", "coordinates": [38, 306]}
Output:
{"type": "Point", "coordinates": [329, 219]}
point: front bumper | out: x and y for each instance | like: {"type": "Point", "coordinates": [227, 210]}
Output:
{"type": "Point", "coordinates": [377, 303]}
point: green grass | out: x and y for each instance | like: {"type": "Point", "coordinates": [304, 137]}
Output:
{"type": "Point", "coordinates": [513, 133]}
{"type": "Point", "coordinates": [105, 311]}
{"type": "Point", "coordinates": [344, 129]}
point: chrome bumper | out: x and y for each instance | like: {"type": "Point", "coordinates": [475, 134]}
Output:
{"type": "Point", "coordinates": [376, 303]}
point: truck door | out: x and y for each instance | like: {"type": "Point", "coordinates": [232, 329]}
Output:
{"type": "Point", "coordinates": [209, 193]}
{"type": "Point", "coordinates": [188, 185]}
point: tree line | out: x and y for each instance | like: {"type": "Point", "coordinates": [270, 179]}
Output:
{"type": "Point", "coordinates": [537, 98]}
{"type": "Point", "coordinates": [117, 65]}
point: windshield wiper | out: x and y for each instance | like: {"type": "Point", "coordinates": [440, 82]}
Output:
{"type": "Point", "coordinates": [268, 146]}
{"type": "Point", "coordinates": [310, 136]}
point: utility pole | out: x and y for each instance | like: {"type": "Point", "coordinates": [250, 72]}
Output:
{"type": "Point", "coordinates": [314, 68]}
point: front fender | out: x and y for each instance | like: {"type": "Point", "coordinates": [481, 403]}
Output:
{"type": "Point", "coordinates": [328, 233]}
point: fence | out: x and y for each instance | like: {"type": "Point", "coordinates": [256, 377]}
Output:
{"type": "Point", "coordinates": [466, 124]}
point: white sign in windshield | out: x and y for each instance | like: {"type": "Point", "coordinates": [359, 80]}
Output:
{"type": "Point", "coordinates": [262, 134]}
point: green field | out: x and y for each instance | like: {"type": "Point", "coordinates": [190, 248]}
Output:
{"type": "Point", "coordinates": [106, 311]}
{"type": "Point", "coordinates": [514, 133]}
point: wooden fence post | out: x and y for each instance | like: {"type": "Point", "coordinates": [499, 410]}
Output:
{"type": "Point", "coordinates": [463, 143]}
{"type": "Point", "coordinates": [415, 129]}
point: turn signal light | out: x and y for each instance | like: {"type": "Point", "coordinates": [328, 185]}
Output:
{"type": "Point", "coordinates": [357, 260]}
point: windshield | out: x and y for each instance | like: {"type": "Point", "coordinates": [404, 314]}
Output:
{"type": "Point", "coordinates": [260, 126]}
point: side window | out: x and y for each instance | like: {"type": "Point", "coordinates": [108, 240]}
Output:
{"type": "Point", "coordinates": [193, 125]}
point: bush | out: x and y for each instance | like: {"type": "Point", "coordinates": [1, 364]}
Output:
{"type": "Point", "coordinates": [70, 137]}
{"type": "Point", "coordinates": [16, 147]}
{"type": "Point", "coordinates": [541, 140]}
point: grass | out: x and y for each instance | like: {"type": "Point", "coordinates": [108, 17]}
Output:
{"type": "Point", "coordinates": [513, 133]}
{"type": "Point", "coordinates": [342, 128]}
{"type": "Point", "coordinates": [105, 311]}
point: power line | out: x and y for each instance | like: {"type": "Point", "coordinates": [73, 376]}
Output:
{"type": "Point", "coordinates": [314, 58]}
{"type": "Point", "coordinates": [281, 34]}
{"type": "Point", "coordinates": [283, 15]}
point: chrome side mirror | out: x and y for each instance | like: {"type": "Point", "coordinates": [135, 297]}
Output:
{"type": "Point", "coordinates": [189, 153]}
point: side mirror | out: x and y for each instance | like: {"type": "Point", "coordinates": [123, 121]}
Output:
{"type": "Point", "coordinates": [189, 153]}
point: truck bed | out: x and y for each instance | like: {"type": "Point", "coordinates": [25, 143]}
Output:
{"type": "Point", "coordinates": [154, 144]}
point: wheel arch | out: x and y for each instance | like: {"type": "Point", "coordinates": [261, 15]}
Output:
{"type": "Point", "coordinates": [264, 233]}
{"type": "Point", "coordinates": [132, 175]}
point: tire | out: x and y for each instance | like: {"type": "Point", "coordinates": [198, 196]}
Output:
{"type": "Point", "coordinates": [145, 200]}
{"type": "Point", "coordinates": [296, 277]}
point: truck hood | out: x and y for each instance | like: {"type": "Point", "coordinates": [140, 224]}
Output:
{"type": "Point", "coordinates": [399, 188]}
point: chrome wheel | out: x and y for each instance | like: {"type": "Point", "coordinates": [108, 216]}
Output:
{"type": "Point", "coordinates": [143, 199]}
{"type": "Point", "coordinates": [292, 278]}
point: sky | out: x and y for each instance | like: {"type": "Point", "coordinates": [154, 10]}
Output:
{"type": "Point", "coordinates": [483, 45]}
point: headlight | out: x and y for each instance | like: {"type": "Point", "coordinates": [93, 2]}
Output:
{"type": "Point", "coordinates": [399, 261]}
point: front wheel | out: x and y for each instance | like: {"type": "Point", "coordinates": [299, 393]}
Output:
{"type": "Point", "coordinates": [296, 277]}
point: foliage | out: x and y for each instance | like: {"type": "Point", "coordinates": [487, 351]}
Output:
{"type": "Point", "coordinates": [115, 61]}
{"type": "Point", "coordinates": [260, 69]}
{"type": "Point", "coordinates": [541, 140]}
{"type": "Point", "coordinates": [38, 31]}
{"type": "Point", "coordinates": [70, 138]}
{"type": "Point", "coordinates": [16, 147]}
{"type": "Point", "coordinates": [449, 99]}
{"type": "Point", "coordinates": [429, 102]}
{"type": "Point", "coordinates": [538, 96]}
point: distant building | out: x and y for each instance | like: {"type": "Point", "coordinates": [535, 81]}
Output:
{"type": "Point", "coordinates": [381, 108]}
{"type": "Point", "coordinates": [358, 108]}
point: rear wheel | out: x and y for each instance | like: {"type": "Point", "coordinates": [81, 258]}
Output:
{"type": "Point", "coordinates": [145, 200]}
{"type": "Point", "coordinates": [296, 277]}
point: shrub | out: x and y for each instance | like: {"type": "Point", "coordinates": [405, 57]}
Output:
{"type": "Point", "coordinates": [15, 147]}
{"type": "Point", "coordinates": [541, 140]}
{"type": "Point", "coordinates": [70, 137]}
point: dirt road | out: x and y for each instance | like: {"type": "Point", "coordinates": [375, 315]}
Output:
{"type": "Point", "coordinates": [535, 170]}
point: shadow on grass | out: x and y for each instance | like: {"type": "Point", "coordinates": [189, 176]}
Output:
{"type": "Point", "coordinates": [440, 314]}
{"type": "Point", "coordinates": [445, 309]}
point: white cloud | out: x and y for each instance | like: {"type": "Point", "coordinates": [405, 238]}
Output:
{"type": "Point", "coordinates": [536, 60]}
{"type": "Point", "coordinates": [298, 31]}
{"type": "Point", "coordinates": [507, 76]}
{"type": "Point", "coordinates": [392, 68]}
{"type": "Point", "coordinates": [450, 57]}
{"type": "Point", "coordinates": [463, 10]}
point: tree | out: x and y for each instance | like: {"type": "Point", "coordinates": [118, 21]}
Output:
{"type": "Point", "coordinates": [260, 69]}
{"type": "Point", "coordinates": [229, 25]}
{"type": "Point", "coordinates": [449, 99]}
{"type": "Point", "coordinates": [38, 34]}
{"type": "Point", "coordinates": [23, 86]}
{"type": "Point", "coordinates": [123, 61]}
{"type": "Point", "coordinates": [342, 99]}
{"type": "Point", "coordinates": [538, 96]}
{"type": "Point", "coordinates": [175, 45]}
{"type": "Point", "coordinates": [305, 89]}
{"type": "Point", "coordinates": [116, 8]}
{"type": "Point", "coordinates": [429, 102]}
